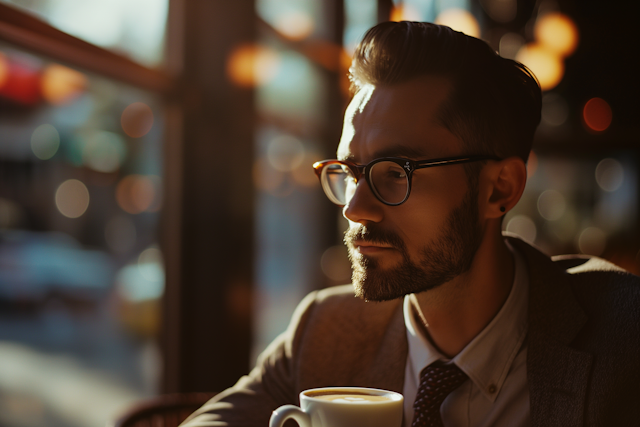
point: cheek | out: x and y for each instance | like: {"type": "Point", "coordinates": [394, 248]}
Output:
{"type": "Point", "coordinates": [433, 197]}
{"type": "Point", "coordinates": [443, 186]}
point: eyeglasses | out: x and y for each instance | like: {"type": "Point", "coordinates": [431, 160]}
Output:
{"type": "Point", "coordinates": [389, 177]}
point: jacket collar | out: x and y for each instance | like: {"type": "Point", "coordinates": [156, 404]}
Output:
{"type": "Point", "coordinates": [387, 369]}
{"type": "Point", "coordinates": [553, 309]}
{"type": "Point", "coordinates": [557, 374]}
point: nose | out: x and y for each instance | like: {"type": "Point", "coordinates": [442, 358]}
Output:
{"type": "Point", "coordinates": [363, 207]}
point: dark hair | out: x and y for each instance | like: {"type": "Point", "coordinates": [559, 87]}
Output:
{"type": "Point", "coordinates": [495, 104]}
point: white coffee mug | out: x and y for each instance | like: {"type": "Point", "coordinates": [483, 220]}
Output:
{"type": "Point", "coordinates": [343, 407]}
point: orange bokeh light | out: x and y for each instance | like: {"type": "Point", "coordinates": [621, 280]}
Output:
{"type": "Point", "coordinates": [135, 193]}
{"type": "Point", "coordinates": [597, 115]}
{"type": "Point", "coordinates": [251, 65]}
{"type": "Point", "coordinates": [545, 64]}
{"type": "Point", "coordinates": [329, 55]}
{"type": "Point", "coordinates": [61, 85]}
{"type": "Point", "coordinates": [295, 24]}
{"type": "Point", "coordinates": [4, 69]}
{"type": "Point", "coordinates": [404, 12]}
{"type": "Point", "coordinates": [557, 32]}
{"type": "Point", "coordinates": [137, 119]}
{"type": "Point", "coordinates": [459, 20]}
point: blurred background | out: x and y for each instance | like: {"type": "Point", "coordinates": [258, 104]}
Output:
{"type": "Point", "coordinates": [159, 216]}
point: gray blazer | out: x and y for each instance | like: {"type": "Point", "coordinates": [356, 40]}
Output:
{"type": "Point", "coordinates": [583, 364]}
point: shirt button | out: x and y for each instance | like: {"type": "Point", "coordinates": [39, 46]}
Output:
{"type": "Point", "coordinates": [492, 389]}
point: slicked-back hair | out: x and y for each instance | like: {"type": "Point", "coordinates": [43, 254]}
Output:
{"type": "Point", "coordinates": [494, 106]}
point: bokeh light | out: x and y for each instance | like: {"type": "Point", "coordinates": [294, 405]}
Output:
{"type": "Point", "coordinates": [45, 141]}
{"type": "Point", "coordinates": [294, 24]}
{"type": "Point", "coordinates": [523, 226]}
{"type": "Point", "coordinates": [20, 80]}
{"type": "Point", "coordinates": [135, 193]}
{"type": "Point", "coordinates": [328, 55]}
{"type": "Point", "coordinates": [565, 228]}
{"type": "Point", "coordinates": [72, 198]}
{"type": "Point", "coordinates": [142, 281]}
{"type": "Point", "coordinates": [459, 20]}
{"type": "Point", "coordinates": [104, 151]}
{"type": "Point", "coordinates": [557, 32]}
{"type": "Point", "coordinates": [251, 65]}
{"type": "Point", "coordinates": [61, 85]}
{"type": "Point", "coordinates": [335, 263]}
{"type": "Point", "coordinates": [502, 11]}
{"type": "Point", "coordinates": [151, 256]}
{"type": "Point", "coordinates": [304, 174]}
{"type": "Point", "coordinates": [266, 177]}
{"type": "Point", "coordinates": [404, 12]}
{"type": "Point", "coordinates": [592, 241]}
{"type": "Point", "coordinates": [120, 234]}
{"type": "Point", "coordinates": [137, 119]}
{"type": "Point", "coordinates": [4, 69]}
{"type": "Point", "coordinates": [609, 174]}
{"type": "Point", "coordinates": [156, 204]}
{"type": "Point", "coordinates": [285, 153]}
{"type": "Point", "coordinates": [597, 115]}
{"type": "Point", "coordinates": [547, 66]}
{"type": "Point", "coordinates": [551, 205]}
{"type": "Point", "coordinates": [510, 44]}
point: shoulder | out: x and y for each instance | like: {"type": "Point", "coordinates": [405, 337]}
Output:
{"type": "Point", "coordinates": [598, 286]}
{"type": "Point", "coordinates": [582, 270]}
{"type": "Point", "coordinates": [577, 264]}
{"type": "Point", "coordinates": [597, 274]}
{"type": "Point", "coordinates": [338, 307]}
{"type": "Point", "coordinates": [608, 294]}
{"type": "Point", "coordinates": [338, 336]}
{"type": "Point", "coordinates": [603, 289]}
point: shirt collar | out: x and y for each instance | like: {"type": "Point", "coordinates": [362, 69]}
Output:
{"type": "Point", "coordinates": [489, 356]}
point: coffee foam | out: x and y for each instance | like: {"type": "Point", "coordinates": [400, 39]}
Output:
{"type": "Point", "coordinates": [360, 398]}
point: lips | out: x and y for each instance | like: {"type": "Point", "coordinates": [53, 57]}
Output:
{"type": "Point", "coordinates": [369, 248]}
{"type": "Point", "coordinates": [372, 241]}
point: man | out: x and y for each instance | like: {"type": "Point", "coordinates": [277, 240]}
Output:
{"type": "Point", "coordinates": [431, 157]}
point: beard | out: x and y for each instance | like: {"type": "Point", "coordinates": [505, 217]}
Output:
{"type": "Point", "coordinates": [448, 256]}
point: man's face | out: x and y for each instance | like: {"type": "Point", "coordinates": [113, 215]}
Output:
{"type": "Point", "coordinates": [433, 236]}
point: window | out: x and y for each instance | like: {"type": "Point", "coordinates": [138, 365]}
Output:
{"type": "Point", "coordinates": [81, 189]}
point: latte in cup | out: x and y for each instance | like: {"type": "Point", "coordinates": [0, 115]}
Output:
{"type": "Point", "coordinates": [343, 407]}
{"type": "Point", "coordinates": [346, 397]}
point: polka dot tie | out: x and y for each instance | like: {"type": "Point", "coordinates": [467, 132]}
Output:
{"type": "Point", "coordinates": [436, 382]}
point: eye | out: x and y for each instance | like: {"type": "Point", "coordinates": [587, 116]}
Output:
{"type": "Point", "coordinates": [393, 171]}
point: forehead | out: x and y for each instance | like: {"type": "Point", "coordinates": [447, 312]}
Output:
{"type": "Point", "coordinates": [398, 120]}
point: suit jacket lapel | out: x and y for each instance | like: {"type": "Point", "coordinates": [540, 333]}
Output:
{"type": "Point", "coordinates": [557, 374]}
{"type": "Point", "coordinates": [388, 366]}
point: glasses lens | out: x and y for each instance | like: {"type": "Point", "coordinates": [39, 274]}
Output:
{"type": "Point", "coordinates": [338, 183]}
{"type": "Point", "coordinates": [390, 182]}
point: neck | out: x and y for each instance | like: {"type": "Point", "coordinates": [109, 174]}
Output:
{"type": "Point", "coordinates": [454, 313]}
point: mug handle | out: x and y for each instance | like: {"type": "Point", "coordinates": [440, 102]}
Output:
{"type": "Point", "coordinates": [283, 413]}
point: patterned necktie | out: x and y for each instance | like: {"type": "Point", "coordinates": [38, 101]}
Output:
{"type": "Point", "coordinates": [436, 382]}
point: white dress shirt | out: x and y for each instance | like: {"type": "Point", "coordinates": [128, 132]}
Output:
{"type": "Point", "coordinates": [495, 360]}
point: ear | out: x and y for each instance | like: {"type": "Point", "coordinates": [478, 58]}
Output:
{"type": "Point", "coordinates": [505, 183]}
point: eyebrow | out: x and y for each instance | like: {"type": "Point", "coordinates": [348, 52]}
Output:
{"type": "Point", "coordinates": [396, 151]}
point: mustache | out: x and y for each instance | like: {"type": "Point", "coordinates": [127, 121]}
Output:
{"type": "Point", "coordinates": [373, 234]}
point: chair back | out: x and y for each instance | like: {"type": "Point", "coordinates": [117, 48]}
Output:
{"type": "Point", "coordinates": [163, 411]}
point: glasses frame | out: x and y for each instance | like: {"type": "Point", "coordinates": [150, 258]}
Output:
{"type": "Point", "coordinates": [408, 165]}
